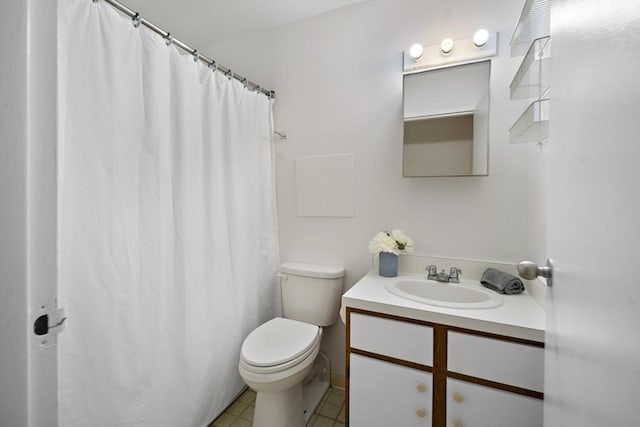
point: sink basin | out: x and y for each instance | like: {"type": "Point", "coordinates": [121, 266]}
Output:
{"type": "Point", "coordinates": [466, 295]}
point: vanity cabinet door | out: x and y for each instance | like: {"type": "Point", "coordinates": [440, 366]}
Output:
{"type": "Point", "coordinates": [383, 394]}
{"type": "Point", "coordinates": [395, 338]}
{"type": "Point", "coordinates": [496, 360]}
{"type": "Point", "coordinates": [473, 405]}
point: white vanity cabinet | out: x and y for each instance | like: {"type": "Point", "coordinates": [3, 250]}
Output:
{"type": "Point", "coordinates": [386, 394]}
{"type": "Point", "coordinates": [392, 338]}
{"type": "Point", "coordinates": [390, 379]}
{"type": "Point", "coordinates": [475, 405]}
{"type": "Point", "coordinates": [406, 372]}
{"type": "Point", "coordinates": [493, 382]}
{"type": "Point", "coordinates": [499, 360]}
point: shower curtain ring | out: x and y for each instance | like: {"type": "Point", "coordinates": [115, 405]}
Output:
{"type": "Point", "coordinates": [213, 66]}
{"type": "Point", "coordinates": [196, 55]}
{"type": "Point", "coordinates": [257, 88]}
{"type": "Point", "coordinates": [245, 82]}
{"type": "Point", "coordinates": [137, 19]}
{"type": "Point", "coordinates": [230, 75]}
{"type": "Point", "coordinates": [168, 39]}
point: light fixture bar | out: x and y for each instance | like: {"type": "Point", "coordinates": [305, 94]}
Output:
{"type": "Point", "coordinates": [451, 52]}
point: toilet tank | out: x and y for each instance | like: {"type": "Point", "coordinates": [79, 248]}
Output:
{"type": "Point", "coordinates": [311, 293]}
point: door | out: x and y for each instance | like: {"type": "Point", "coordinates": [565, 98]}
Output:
{"type": "Point", "coordinates": [42, 290]}
{"type": "Point", "coordinates": [28, 277]}
{"type": "Point", "coordinates": [592, 360]}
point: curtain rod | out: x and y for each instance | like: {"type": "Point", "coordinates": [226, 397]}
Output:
{"type": "Point", "coordinates": [197, 56]}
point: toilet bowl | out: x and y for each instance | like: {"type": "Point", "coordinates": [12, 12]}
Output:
{"type": "Point", "coordinates": [278, 351]}
{"type": "Point", "coordinates": [274, 360]}
{"type": "Point", "coordinates": [278, 355]}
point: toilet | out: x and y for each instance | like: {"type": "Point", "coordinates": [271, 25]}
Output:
{"type": "Point", "coordinates": [279, 355]}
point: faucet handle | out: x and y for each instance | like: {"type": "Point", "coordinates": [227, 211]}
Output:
{"type": "Point", "coordinates": [454, 274]}
{"type": "Point", "coordinates": [432, 271]}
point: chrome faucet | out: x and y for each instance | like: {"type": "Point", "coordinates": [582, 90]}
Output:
{"type": "Point", "coordinates": [452, 277]}
{"type": "Point", "coordinates": [442, 276]}
{"type": "Point", "coordinates": [432, 272]}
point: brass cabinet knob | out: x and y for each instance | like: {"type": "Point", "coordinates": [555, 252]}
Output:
{"type": "Point", "coordinates": [421, 412]}
{"type": "Point", "coordinates": [457, 422]}
{"type": "Point", "coordinates": [458, 397]}
{"type": "Point", "coordinates": [421, 388]}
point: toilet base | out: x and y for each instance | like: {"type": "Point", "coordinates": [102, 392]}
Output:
{"type": "Point", "coordinates": [315, 385]}
{"type": "Point", "coordinates": [282, 409]}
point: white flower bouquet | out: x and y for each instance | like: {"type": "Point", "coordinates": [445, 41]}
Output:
{"type": "Point", "coordinates": [393, 242]}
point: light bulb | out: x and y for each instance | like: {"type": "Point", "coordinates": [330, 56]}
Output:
{"type": "Point", "coordinates": [446, 46]}
{"type": "Point", "coordinates": [481, 37]}
{"type": "Point", "coordinates": [415, 51]}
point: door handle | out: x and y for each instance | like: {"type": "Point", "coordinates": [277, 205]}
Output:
{"type": "Point", "coordinates": [530, 270]}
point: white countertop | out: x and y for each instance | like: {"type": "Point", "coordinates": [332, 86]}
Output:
{"type": "Point", "coordinates": [520, 316]}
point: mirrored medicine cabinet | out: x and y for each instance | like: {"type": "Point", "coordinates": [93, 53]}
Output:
{"type": "Point", "coordinates": [446, 121]}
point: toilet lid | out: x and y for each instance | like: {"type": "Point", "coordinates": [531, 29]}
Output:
{"type": "Point", "coordinates": [279, 341]}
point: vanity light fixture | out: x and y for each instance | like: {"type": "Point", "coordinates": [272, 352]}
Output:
{"type": "Point", "coordinates": [415, 51]}
{"type": "Point", "coordinates": [480, 45]}
{"type": "Point", "coordinates": [480, 38]}
{"type": "Point", "coordinates": [446, 46]}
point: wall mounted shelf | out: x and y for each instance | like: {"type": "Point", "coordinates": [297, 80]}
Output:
{"type": "Point", "coordinates": [532, 39]}
{"type": "Point", "coordinates": [532, 78]}
{"type": "Point", "coordinates": [533, 125]}
{"type": "Point", "coordinates": [533, 24]}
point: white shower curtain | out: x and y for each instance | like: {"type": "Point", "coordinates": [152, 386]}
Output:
{"type": "Point", "coordinates": [167, 233]}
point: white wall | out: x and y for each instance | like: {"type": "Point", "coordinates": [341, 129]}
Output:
{"type": "Point", "coordinates": [338, 79]}
{"type": "Point", "coordinates": [13, 214]}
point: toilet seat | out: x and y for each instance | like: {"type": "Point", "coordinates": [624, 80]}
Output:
{"type": "Point", "coordinates": [278, 345]}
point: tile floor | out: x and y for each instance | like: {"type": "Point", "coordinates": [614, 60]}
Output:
{"type": "Point", "coordinates": [329, 413]}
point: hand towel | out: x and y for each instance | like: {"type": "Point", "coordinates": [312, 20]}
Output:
{"type": "Point", "coordinates": [501, 282]}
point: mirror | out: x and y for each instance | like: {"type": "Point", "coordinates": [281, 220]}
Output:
{"type": "Point", "coordinates": [446, 121]}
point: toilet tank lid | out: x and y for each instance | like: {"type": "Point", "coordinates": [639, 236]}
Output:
{"type": "Point", "coordinates": [312, 270]}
